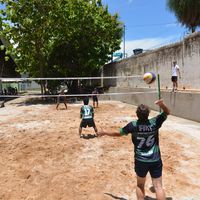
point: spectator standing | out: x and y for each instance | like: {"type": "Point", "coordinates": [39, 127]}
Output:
{"type": "Point", "coordinates": [175, 74]}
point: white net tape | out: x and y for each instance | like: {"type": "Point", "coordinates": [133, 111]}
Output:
{"type": "Point", "coordinates": [77, 95]}
{"type": "Point", "coordinates": [69, 78]}
{"type": "Point", "coordinates": [25, 86]}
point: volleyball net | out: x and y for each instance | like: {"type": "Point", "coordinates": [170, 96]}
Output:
{"type": "Point", "coordinates": [72, 87]}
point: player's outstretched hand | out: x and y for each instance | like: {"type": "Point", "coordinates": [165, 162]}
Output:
{"type": "Point", "coordinates": [162, 105]}
{"type": "Point", "coordinates": [159, 102]}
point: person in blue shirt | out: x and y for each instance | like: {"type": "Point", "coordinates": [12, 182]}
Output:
{"type": "Point", "coordinates": [145, 137]}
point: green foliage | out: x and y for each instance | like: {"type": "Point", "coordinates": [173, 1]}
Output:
{"type": "Point", "coordinates": [186, 11]}
{"type": "Point", "coordinates": [25, 25]}
{"type": "Point", "coordinates": [91, 36]}
{"type": "Point", "coordinates": [60, 38]}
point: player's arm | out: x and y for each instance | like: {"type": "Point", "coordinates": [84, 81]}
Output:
{"type": "Point", "coordinates": [113, 133]}
{"type": "Point", "coordinates": [92, 111]}
{"type": "Point", "coordinates": [81, 113]}
{"type": "Point", "coordinates": [162, 105]}
{"type": "Point", "coordinates": [179, 72]}
{"type": "Point", "coordinates": [122, 131]}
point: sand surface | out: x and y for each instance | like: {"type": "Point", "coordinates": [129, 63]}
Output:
{"type": "Point", "coordinates": [43, 158]}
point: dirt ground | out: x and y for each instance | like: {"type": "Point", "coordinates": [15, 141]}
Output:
{"type": "Point", "coordinates": [43, 158]}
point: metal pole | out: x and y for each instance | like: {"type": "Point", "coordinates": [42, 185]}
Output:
{"type": "Point", "coordinates": [124, 42]}
{"type": "Point", "coordinates": [159, 95]}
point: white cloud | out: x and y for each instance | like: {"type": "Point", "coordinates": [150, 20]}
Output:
{"type": "Point", "coordinates": [146, 44]}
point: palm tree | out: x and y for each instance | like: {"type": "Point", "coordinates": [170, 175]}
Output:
{"type": "Point", "coordinates": [186, 11]}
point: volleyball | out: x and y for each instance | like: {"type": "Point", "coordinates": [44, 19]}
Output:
{"type": "Point", "coordinates": [149, 77]}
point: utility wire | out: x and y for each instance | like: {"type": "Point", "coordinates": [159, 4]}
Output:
{"type": "Point", "coordinates": [147, 25]}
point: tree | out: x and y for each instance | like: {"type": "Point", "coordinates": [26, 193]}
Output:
{"type": "Point", "coordinates": [95, 36]}
{"type": "Point", "coordinates": [186, 11]}
{"type": "Point", "coordinates": [25, 25]}
{"type": "Point", "coordinates": [62, 38]}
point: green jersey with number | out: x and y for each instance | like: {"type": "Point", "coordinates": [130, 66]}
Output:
{"type": "Point", "coordinates": [145, 137]}
{"type": "Point", "coordinates": [87, 112]}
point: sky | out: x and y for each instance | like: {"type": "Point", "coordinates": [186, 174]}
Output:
{"type": "Point", "coordinates": [148, 23]}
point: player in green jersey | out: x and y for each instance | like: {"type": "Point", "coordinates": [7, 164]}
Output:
{"type": "Point", "coordinates": [87, 115]}
{"type": "Point", "coordinates": [145, 137]}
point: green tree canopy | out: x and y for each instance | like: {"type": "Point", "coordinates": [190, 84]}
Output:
{"type": "Point", "coordinates": [186, 11]}
{"type": "Point", "coordinates": [60, 38]}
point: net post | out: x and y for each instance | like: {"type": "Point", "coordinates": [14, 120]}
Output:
{"type": "Point", "coordinates": [159, 94]}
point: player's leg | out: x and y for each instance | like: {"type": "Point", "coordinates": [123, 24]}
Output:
{"type": "Point", "coordinates": [57, 106]}
{"type": "Point", "coordinates": [93, 103]}
{"type": "Point", "coordinates": [95, 129]}
{"type": "Point", "coordinates": [91, 123]}
{"type": "Point", "coordinates": [65, 102]}
{"type": "Point", "coordinates": [157, 184]}
{"type": "Point", "coordinates": [140, 191]}
{"type": "Point", "coordinates": [141, 170]}
{"type": "Point", "coordinates": [173, 84]}
{"type": "Point", "coordinates": [80, 128]}
{"type": "Point", "coordinates": [176, 84]}
{"type": "Point", "coordinates": [58, 102]}
{"type": "Point", "coordinates": [156, 175]}
{"type": "Point", "coordinates": [97, 102]}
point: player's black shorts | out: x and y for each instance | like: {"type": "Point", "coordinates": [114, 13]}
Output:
{"type": "Point", "coordinates": [174, 78]}
{"type": "Point", "coordinates": [154, 168]}
{"type": "Point", "coordinates": [61, 99]}
{"type": "Point", "coordinates": [95, 98]}
{"type": "Point", "coordinates": [87, 122]}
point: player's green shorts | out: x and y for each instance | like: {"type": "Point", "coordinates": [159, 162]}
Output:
{"type": "Point", "coordinates": [87, 122]}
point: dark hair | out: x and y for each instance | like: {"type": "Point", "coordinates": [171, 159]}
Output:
{"type": "Point", "coordinates": [86, 100]}
{"type": "Point", "coordinates": [143, 112]}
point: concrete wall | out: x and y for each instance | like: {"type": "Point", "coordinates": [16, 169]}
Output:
{"type": "Point", "coordinates": [186, 53]}
{"type": "Point", "coordinates": [184, 103]}
{"type": "Point", "coordinates": [181, 104]}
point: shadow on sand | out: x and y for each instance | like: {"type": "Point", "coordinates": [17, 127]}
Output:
{"type": "Point", "coordinates": [115, 197]}
{"type": "Point", "coordinates": [89, 136]}
{"type": "Point", "coordinates": [122, 198]}
{"type": "Point", "coordinates": [150, 198]}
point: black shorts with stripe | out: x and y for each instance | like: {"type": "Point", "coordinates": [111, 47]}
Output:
{"type": "Point", "coordinates": [87, 122]}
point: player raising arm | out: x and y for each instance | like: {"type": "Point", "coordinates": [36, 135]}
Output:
{"type": "Point", "coordinates": [145, 137]}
